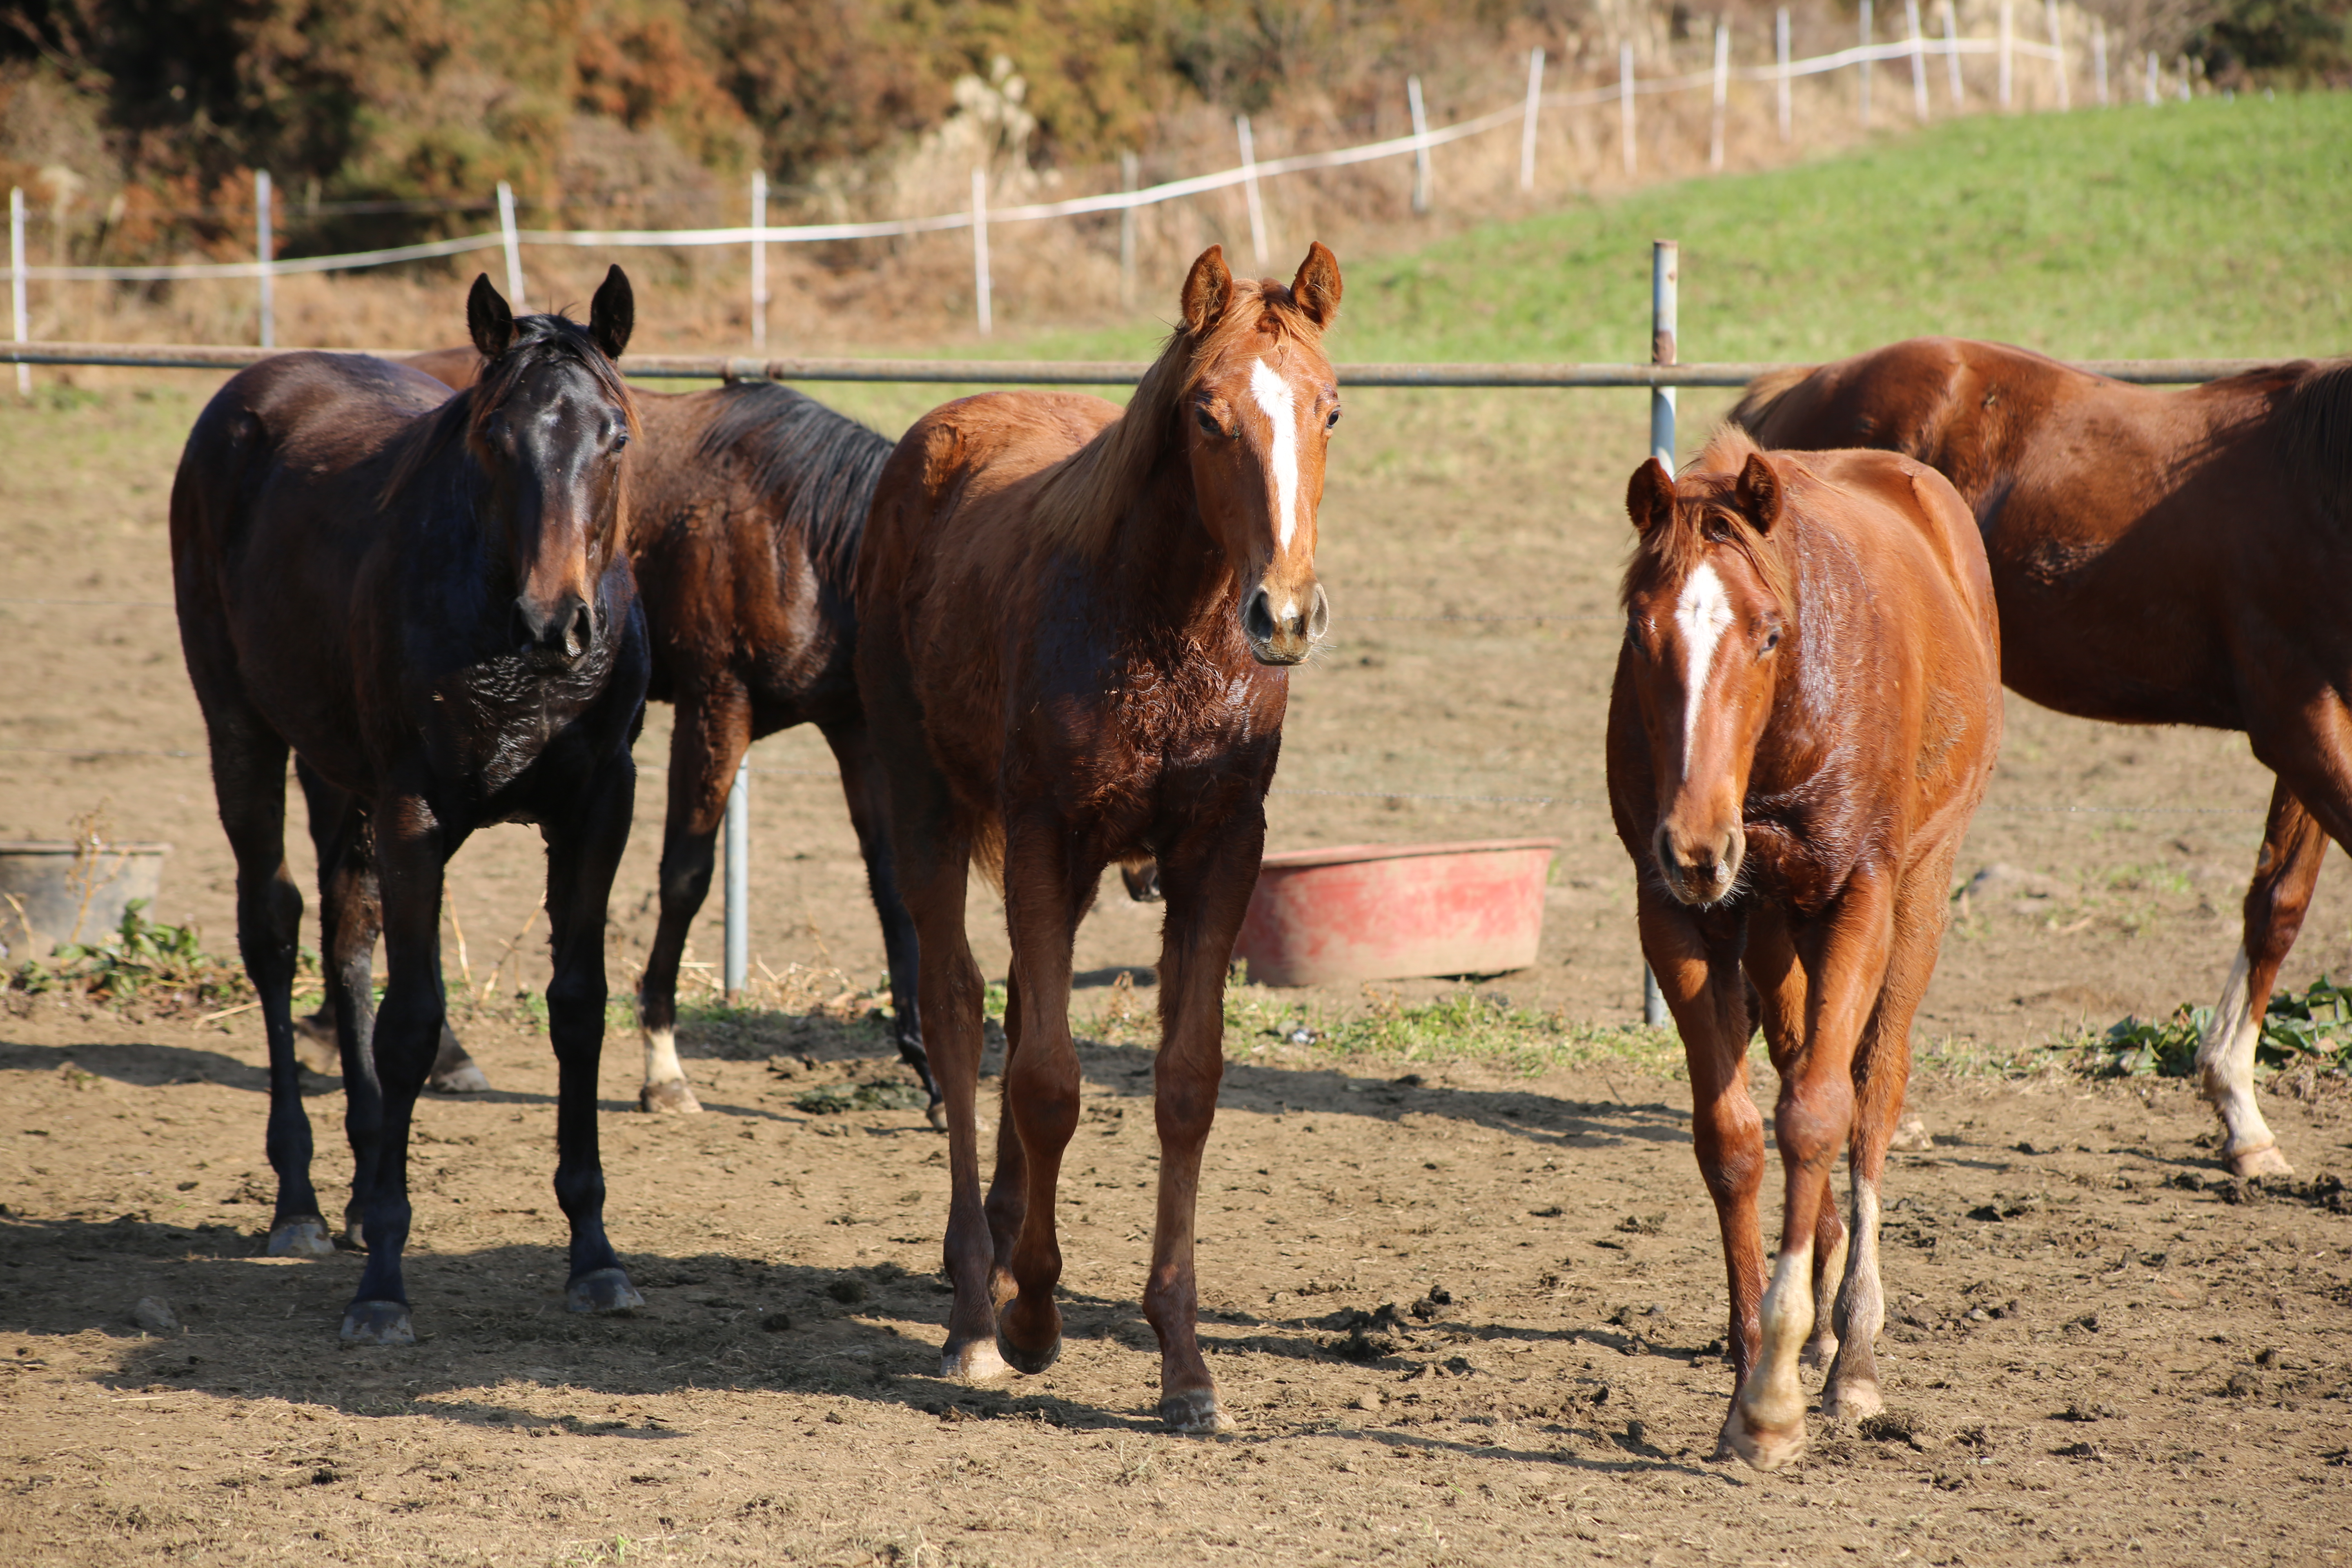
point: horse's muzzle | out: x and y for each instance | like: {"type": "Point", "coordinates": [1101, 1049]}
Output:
{"type": "Point", "coordinates": [1699, 870]}
{"type": "Point", "coordinates": [562, 632]}
{"type": "Point", "coordinates": [1285, 633]}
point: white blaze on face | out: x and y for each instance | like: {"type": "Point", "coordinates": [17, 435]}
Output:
{"type": "Point", "coordinates": [1702, 616]}
{"type": "Point", "coordinates": [1272, 397]}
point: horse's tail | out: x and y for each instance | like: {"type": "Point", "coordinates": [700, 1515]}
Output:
{"type": "Point", "coordinates": [1763, 395]}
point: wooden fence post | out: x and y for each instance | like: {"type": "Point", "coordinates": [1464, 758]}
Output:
{"type": "Point", "coordinates": [513, 246]}
{"type": "Point", "coordinates": [1918, 60]}
{"type": "Point", "coordinates": [1780, 53]}
{"type": "Point", "coordinates": [980, 252]}
{"type": "Point", "coordinates": [264, 251]}
{"type": "Point", "coordinates": [1420, 149]}
{"type": "Point", "coordinates": [1865, 65]}
{"type": "Point", "coordinates": [1249, 188]}
{"type": "Point", "coordinates": [1952, 52]}
{"type": "Point", "coordinates": [760, 262]}
{"type": "Point", "coordinates": [1625, 103]}
{"type": "Point", "coordinates": [2151, 80]}
{"type": "Point", "coordinates": [2058, 56]}
{"type": "Point", "coordinates": [1528, 124]}
{"type": "Point", "coordinates": [2099, 59]}
{"type": "Point", "coordinates": [1722, 93]}
{"type": "Point", "coordinates": [18, 315]}
{"type": "Point", "coordinates": [1665, 265]}
{"type": "Point", "coordinates": [1127, 178]}
{"type": "Point", "coordinates": [2007, 39]}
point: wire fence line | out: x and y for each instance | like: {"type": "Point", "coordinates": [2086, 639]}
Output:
{"type": "Point", "coordinates": [1917, 47]}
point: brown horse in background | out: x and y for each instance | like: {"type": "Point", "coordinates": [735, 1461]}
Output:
{"type": "Point", "coordinates": [428, 600]}
{"type": "Point", "coordinates": [1074, 628]}
{"type": "Point", "coordinates": [748, 504]}
{"type": "Point", "coordinates": [1806, 712]}
{"type": "Point", "coordinates": [2160, 558]}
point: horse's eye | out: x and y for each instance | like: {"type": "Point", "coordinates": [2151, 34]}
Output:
{"type": "Point", "coordinates": [1208, 421]}
{"type": "Point", "coordinates": [1332, 422]}
{"type": "Point", "coordinates": [1771, 641]}
{"type": "Point", "coordinates": [620, 440]}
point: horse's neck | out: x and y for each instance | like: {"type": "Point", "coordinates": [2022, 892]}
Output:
{"type": "Point", "coordinates": [1166, 574]}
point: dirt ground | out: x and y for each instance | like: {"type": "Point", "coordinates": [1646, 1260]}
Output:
{"type": "Point", "coordinates": [2096, 1351]}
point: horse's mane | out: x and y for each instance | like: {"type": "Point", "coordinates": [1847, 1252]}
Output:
{"type": "Point", "coordinates": [413, 451]}
{"type": "Point", "coordinates": [1675, 548]}
{"type": "Point", "coordinates": [1080, 500]}
{"type": "Point", "coordinates": [820, 467]}
{"type": "Point", "coordinates": [2316, 435]}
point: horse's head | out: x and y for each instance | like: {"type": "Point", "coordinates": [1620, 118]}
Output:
{"type": "Point", "coordinates": [1261, 406]}
{"type": "Point", "coordinates": [549, 419]}
{"type": "Point", "coordinates": [1707, 622]}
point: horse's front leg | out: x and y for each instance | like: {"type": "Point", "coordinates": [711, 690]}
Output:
{"type": "Point", "coordinates": [583, 851]}
{"type": "Point", "coordinates": [713, 729]}
{"type": "Point", "coordinates": [1207, 875]}
{"type": "Point", "coordinates": [1844, 957]}
{"type": "Point", "coordinates": [1696, 959]}
{"type": "Point", "coordinates": [411, 847]}
{"type": "Point", "coordinates": [2295, 847]}
{"type": "Point", "coordinates": [867, 792]}
{"type": "Point", "coordinates": [350, 920]}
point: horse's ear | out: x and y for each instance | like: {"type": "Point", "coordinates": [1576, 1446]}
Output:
{"type": "Point", "coordinates": [1316, 287]}
{"type": "Point", "coordinates": [488, 319]}
{"type": "Point", "coordinates": [1760, 493]}
{"type": "Point", "coordinates": [612, 313]}
{"type": "Point", "coordinates": [1650, 498]}
{"type": "Point", "coordinates": [1208, 290]}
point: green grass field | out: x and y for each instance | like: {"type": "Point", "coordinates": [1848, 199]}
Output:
{"type": "Point", "coordinates": [2214, 227]}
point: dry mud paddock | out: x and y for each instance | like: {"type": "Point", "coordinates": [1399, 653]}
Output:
{"type": "Point", "coordinates": [1467, 1304]}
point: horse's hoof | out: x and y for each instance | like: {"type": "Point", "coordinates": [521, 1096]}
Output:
{"type": "Point", "coordinates": [937, 1115]}
{"type": "Point", "coordinates": [674, 1097]}
{"type": "Point", "coordinates": [378, 1323]}
{"type": "Point", "coordinates": [466, 1077]}
{"type": "Point", "coordinates": [304, 1238]}
{"type": "Point", "coordinates": [1819, 1352]}
{"type": "Point", "coordinates": [1028, 1363]}
{"type": "Point", "coordinates": [975, 1364]}
{"type": "Point", "coordinates": [354, 1237]}
{"type": "Point", "coordinates": [1851, 1399]}
{"type": "Point", "coordinates": [1763, 1448]}
{"type": "Point", "coordinates": [1195, 1414]}
{"type": "Point", "coordinates": [602, 1291]}
{"type": "Point", "coordinates": [2266, 1161]}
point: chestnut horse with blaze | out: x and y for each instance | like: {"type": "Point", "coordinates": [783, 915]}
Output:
{"type": "Point", "coordinates": [1806, 712]}
{"type": "Point", "coordinates": [2160, 557]}
{"type": "Point", "coordinates": [427, 600]}
{"type": "Point", "coordinates": [1074, 629]}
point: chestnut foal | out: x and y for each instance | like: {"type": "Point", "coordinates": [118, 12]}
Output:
{"type": "Point", "coordinates": [1074, 629]}
{"type": "Point", "coordinates": [1805, 715]}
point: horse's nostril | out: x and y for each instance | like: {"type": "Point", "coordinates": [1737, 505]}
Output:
{"type": "Point", "coordinates": [578, 632]}
{"type": "Point", "coordinates": [1257, 620]}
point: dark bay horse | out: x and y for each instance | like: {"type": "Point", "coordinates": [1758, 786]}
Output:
{"type": "Point", "coordinates": [1074, 629]}
{"type": "Point", "coordinates": [746, 504]}
{"type": "Point", "coordinates": [428, 600]}
{"type": "Point", "coordinates": [2160, 558]}
{"type": "Point", "coordinates": [1806, 712]}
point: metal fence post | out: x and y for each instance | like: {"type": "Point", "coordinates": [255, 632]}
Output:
{"type": "Point", "coordinates": [2058, 57]}
{"type": "Point", "coordinates": [980, 251]}
{"type": "Point", "coordinates": [1865, 65]}
{"type": "Point", "coordinates": [1420, 149]}
{"type": "Point", "coordinates": [1249, 187]}
{"type": "Point", "coordinates": [1666, 265]}
{"type": "Point", "coordinates": [513, 246]}
{"type": "Point", "coordinates": [759, 261]}
{"type": "Point", "coordinates": [1918, 60]}
{"type": "Point", "coordinates": [1528, 124]}
{"type": "Point", "coordinates": [18, 315]}
{"type": "Point", "coordinates": [1952, 50]}
{"type": "Point", "coordinates": [2007, 39]}
{"type": "Point", "coordinates": [2099, 59]}
{"type": "Point", "coordinates": [264, 251]}
{"type": "Point", "coordinates": [739, 881]}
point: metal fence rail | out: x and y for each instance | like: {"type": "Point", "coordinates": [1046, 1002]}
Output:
{"type": "Point", "coordinates": [1089, 373]}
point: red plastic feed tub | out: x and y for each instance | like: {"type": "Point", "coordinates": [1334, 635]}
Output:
{"type": "Point", "coordinates": [1392, 911]}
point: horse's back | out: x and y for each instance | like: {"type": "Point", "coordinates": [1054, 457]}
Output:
{"type": "Point", "coordinates": [1910, 503]}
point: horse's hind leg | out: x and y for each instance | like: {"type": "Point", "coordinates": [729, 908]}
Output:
{"type": "Point", "coordinates": [707, 745]}
{"type": "Point", "coordinates": [583, 852]}
{"type": "Point", "coordinates": [862, 785]}
{"type": "Point", "coordinates": [2295, 847]}
{"type": "Point", "coordinates": [1008, 1189]}
{"type": "Point", "coordinates": [249, 780]}
{"type": "Point", "coordinates": [1882, 1068]}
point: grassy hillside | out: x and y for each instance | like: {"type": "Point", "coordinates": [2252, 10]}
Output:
{"type": "Point", "coordinates": [2214, 227]}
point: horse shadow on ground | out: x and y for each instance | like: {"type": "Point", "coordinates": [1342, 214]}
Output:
{"type": "Point", "coordinates": [492, 1319]}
